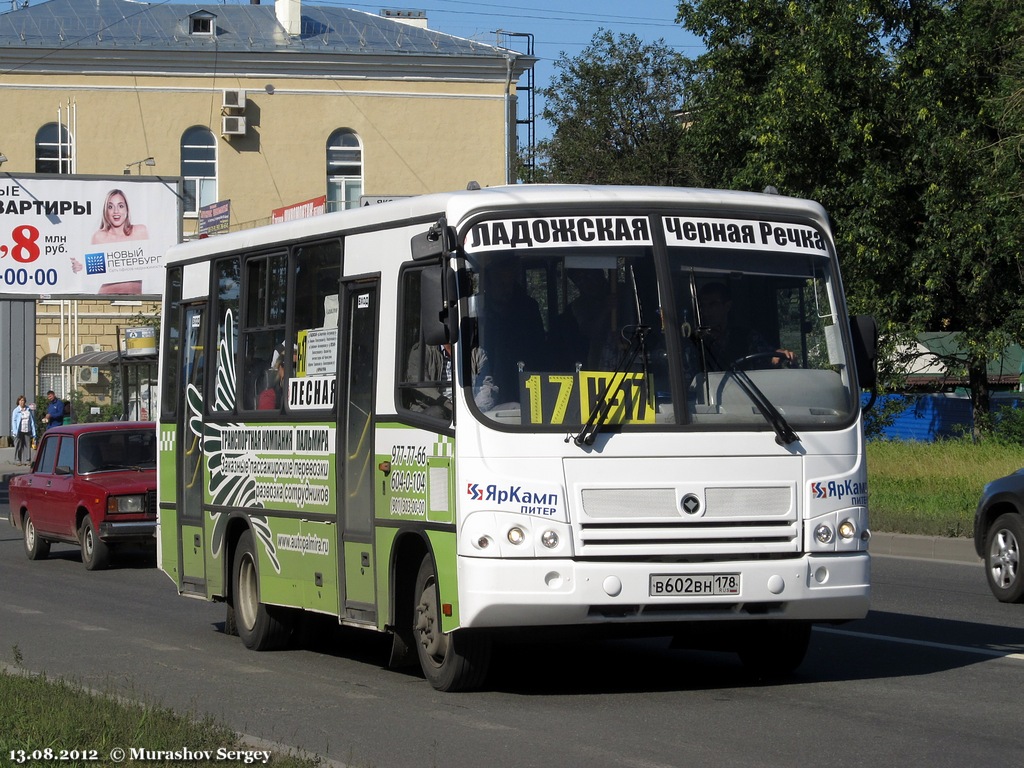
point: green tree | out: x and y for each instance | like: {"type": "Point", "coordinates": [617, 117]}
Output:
{"type": "Point", "coordinates": [615, 109]}
{"type": "Point", "coordinates": [961, 184]}
{"type": "Point", "coordinates": [897, 115]}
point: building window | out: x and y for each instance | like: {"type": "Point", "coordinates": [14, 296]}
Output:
{"type": "Point", "coordinates": [198, 169]}
{"type": "Point", "coordinates": [344, 170]}
{"type": "Point", "coordinates": [50, 376]}
{"type": "Point", "coordinates": [53, 149]}
{"type": "Point", "coordinates": [201, 23]}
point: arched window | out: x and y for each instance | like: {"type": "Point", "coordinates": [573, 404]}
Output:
{"type": "Point", "coordinates": [50, 376]}
{"type": "Point", "coordinates": [198, 169]}
{"type": "Point", "coordinates": [53, 149]}
{"type": "Point", "coordinates": [344, 170]}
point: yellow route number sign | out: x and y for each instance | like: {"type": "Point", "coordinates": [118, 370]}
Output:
{"type": "Point", "coordinates": [571, 398]}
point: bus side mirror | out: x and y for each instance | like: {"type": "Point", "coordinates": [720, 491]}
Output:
{"type": "Point", "coordinates": [864, 333]}
{"type": "Point", "coordinates": [436, 243]}
{"type": "Point", "coordinates": [438, 295]}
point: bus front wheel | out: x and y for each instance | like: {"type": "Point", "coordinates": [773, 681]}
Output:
{"type": "Point", "coordinates": [451, 661]}
{"type": "Point", "coordinates": [259, 625]}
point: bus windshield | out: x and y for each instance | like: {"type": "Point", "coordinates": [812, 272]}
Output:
{"type": "Point", "coordinates": [714, 336]}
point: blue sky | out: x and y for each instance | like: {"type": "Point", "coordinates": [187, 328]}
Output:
{"type": "Point", "coordinates": [557, 25]}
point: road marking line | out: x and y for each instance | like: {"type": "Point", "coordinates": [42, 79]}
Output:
{"type": "Point", "coordinates": [24, 611]}
{"type": "Point", "coordinates": [927, 643]}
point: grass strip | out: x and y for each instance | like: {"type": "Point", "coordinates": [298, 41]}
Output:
{"type": "Point", "coordinates": [932, 489]}
{"type": "Point", "coordinates": [86, 729]}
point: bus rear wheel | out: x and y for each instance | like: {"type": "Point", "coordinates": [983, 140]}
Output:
{"type": "Point", "coordinates": [260, 626]}
{"type": "Point", "coordinates": [451, 661]}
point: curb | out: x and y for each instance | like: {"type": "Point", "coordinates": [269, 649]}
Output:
{"type": "Point", "coordinates": [924, 547]}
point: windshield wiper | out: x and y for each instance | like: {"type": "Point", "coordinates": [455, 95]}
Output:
{"type": "Point", "coordinates": [599, 415]}
{"type": "Point", "coordinates": [784, 433]}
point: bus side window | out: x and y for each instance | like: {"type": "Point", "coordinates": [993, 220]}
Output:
{"type": "Point", "coordinates": [424, 373]}
{"type": "Point", "coordinates": [228, 282]}
{"type": "Point", "coordinates": [263, 328]}
{"type": "Point", "coordinates": [317, 272]}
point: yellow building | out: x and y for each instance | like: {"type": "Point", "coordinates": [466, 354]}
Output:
{"type": "Point", "coordinates": [265, 106]}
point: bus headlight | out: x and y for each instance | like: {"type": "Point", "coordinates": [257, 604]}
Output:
{"type": "Point", "coordinates": [847, 529]}
{"type": "Point", "coordinates": [488, 533]}
{"type": "Point", "coordinates": [823, 533]}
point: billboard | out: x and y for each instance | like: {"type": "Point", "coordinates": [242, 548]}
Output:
{"type": "Point", "coordinates": [215, 218]}
{"type": "Point", "coordinates": [315, 207]}
{"type": "Point", "coordinates": [86, 235]}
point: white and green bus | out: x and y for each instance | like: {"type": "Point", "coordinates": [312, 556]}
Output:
{"type": "Point", "coordinates": [459, 417]}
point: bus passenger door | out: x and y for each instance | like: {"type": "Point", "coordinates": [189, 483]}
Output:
{"type": "Point", "coordinates": [190, 454]}
{"type": "Point", "coordinates": [357, 338]}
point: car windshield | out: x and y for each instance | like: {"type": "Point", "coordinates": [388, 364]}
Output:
{"type": "Point", "coordinates": [113, 451]}
{"type": "Point", "coordinates": [597, 331]}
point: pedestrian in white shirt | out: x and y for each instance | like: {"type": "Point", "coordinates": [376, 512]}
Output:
{"type": "Point", "coordinates": [23, 430]}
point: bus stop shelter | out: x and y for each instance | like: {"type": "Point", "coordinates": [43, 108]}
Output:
{"type": "Point", "coordinates": [133, 380]}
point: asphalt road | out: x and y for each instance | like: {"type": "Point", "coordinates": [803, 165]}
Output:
{"type": "Point", "coordinates": [933, 677]}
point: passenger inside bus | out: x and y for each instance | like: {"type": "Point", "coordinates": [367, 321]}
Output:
{"type": "Point", "coordinates": [512, 331]}
{"type": "Point", "coordinates": [270, 397]}
{"type": "Point", "coordinates": [723, 342]}
{"type": "Point", "coordinates": [585, 333]}
{"type": "Point", "coordinates": [432, 365]}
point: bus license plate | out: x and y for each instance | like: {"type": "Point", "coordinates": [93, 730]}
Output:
{"type": "Point", "coordinates": [663, 585]}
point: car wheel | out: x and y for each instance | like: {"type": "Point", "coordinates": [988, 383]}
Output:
{"type": "Point", "coordinates": [35, 547]}
{"type": "Point", "coordinates": [774, 649]}
{"type": "Point", "coordinates": [95, 552]}
{"type": "Point", "coordinates": [451, 661]}
{"type": "Point", "coordinates": [261, 627]}
{"type": "Point", "coordinates": [1002, 558]}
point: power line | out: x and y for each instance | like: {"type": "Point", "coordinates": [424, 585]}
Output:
{"type": "Point", "coordinates": [518, 12]}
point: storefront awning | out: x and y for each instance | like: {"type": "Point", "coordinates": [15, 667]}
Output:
{"type": "Point", "coordinates": [112, 357]}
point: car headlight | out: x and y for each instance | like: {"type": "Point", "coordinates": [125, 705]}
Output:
{"type": "Point", "coordinates": [126, 504]}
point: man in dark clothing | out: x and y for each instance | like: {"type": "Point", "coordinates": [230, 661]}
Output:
{"type": "Point", "coordinates": [512, 332]}
{"type": "Point", "coordinates": [54, 410]}
{"type": "Point", "coordinates": [725, 342]}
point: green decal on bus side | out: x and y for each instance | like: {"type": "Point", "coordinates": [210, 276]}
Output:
{"type": "Point", "coordinates": [169, 544]}
{"type": "Point", "coordinates": [192, 555]}
{"type": "Point", "coordinates": [415, 476]}
{"type": "Point", "coordinates": [384, 541]}
{"type": "Point", "coordinates": [359, 577]}
{"type": "Point", "coordinates": [443, 545]}
{"type": "Point", "coordinates": [264, 467]}
{"type": "Point", "coordinates": [166, 466]}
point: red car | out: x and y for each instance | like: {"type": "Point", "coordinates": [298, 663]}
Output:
{"type": "Point", "coordinates": [92, 485]}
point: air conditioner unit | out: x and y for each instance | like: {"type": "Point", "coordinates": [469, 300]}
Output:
{"type": "Point", "coordinates": [232, 125]}
{"type": "Point", "coordinates": [88, 375]}
{"type": "Point", "coordinates": [92, 348]}
{"type": "Point", "coordinates": [234, 99]}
